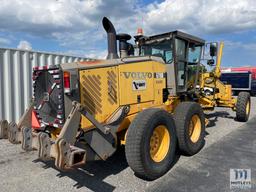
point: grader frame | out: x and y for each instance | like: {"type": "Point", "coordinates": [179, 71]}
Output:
{"type": "Point", "coordinates": [139, 101]}
{"type": "Point", "coordinates": [222, 94]}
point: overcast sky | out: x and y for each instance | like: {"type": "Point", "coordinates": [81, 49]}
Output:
{"type": "Point", "coordinates": [74, 26]}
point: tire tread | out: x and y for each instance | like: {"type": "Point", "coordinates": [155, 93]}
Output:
{"type": "Point", "coordinates": [134, 141]}
{"type": "Point", "coordinates": [242, 99]}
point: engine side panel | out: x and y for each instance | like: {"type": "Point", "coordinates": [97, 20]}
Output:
{"type": "Point", "coordinates": [151, 94]}
{"type": "Point", "coordinates": [142, 82]}
{"type": "Point", "coordinates": [136, 83]}
{"type": "Point", "coordinates": [104, 90]}
{"type": "Point", "coordinates": [99, 93]}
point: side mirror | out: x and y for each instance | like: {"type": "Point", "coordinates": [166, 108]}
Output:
{"type": "Point", "coordinates": [213, 49]}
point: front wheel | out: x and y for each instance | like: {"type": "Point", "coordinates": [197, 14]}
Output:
{"type": "Point", "coordinates": [151, 143]}
{"type": "Point", "coordinates": [243, 106]}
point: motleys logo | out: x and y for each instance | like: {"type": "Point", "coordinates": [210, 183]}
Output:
{"type": "Point", "coordinates": [240, 178]}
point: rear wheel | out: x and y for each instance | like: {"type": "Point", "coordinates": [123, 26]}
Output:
{"type": "Point", "coordinates": [151, 143]}
{"type": "Point", "coordinates": [243, 106]}
{"type": "Point", "coordinates": [190, 127]}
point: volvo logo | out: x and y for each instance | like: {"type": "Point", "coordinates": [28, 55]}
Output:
{"type": "Point", "coordinates": [143, 75]}
{"type": "Point", "coordinates": [138, 75]}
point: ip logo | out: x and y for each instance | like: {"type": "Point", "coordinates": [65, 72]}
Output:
{"type": "Point", "coordinates": [240, 178]}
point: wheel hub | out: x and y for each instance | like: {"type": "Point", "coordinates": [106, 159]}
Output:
{"type": "Point", "coordinates": [159, 143]}
{"type": "Point", "coordinates": [195, 128]}
{"type": "Point", "coordinates": [248, 108]}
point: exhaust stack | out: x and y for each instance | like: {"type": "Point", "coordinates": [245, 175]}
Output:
{"type": "Point", "coordinates": [112, 44]}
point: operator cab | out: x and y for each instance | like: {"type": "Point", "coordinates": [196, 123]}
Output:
{"type": "Point", "coordinates": [181, 52]}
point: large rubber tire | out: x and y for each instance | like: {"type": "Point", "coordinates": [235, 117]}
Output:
{"type": "Point", "coordinates": [183, 115]}
{"type": "Point", "coordinates": [138, 140]}
{"type": "Point", "coordinates": [243, 106]}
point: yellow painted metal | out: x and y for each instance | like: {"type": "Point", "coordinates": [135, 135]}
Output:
{"type": "Point", "coordinates": [248, 108]}
{"type": "Point", "coordinates": [54, 133]}
{"type": "Point", "coordinates": [169, 106]}
{"type": "Point", "coordinates": [99, 93]}
{"type": "Point", "coordinates": [195, 128]}
{"type": "Point", "coordinates": [219, 57]}
{"type": "Point", "coordinates": [103, 90]}
{"type": "Point", "coordinates": [159, 82]}
{"type": "Point", "coordinates": [134, 110]}
{"type": "Point", "coordinates": [159, 143]}
{"type": "Point", "coordinates": [142, 72]}
{"type": "Point", "coordinates": [131, 73]}
{"type": "Point", "coordinates": [122, 136]}
{"type": "Point", "coordinates": [172, 103]}
{"type": "Point", "coordinates": [207, 103]}
{"type": "Point", "coordinates": [223, 95]}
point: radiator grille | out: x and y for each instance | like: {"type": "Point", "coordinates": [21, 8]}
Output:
{"type": "Point", "coordinates": [91, 93]}
{"type": "Point", "coordinates": [112, 87]}
{"type": "Point", "coordinates": [99, 93]}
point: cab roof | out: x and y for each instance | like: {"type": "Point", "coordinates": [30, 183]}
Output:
{"type": "Point", "coordinates": [179, 34]}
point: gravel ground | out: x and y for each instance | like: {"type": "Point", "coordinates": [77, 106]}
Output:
{"type": "Point", "coordinates": [20, 171]}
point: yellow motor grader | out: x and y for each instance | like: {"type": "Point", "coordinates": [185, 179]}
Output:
{"type": "Point", "coordinates": [214, 93]}
{"type": "Point", "coordinates": [146, 98]}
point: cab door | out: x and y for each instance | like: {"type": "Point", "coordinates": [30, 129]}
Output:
{"type": "Point", "coordinates": [181, 64]}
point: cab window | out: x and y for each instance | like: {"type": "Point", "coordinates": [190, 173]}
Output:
{"type": "Point", "coordinates": [160, 49]}
{"type": "Point", "coordinates": [194, 54]}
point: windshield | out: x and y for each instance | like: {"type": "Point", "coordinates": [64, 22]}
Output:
{"type": "Point", "coordinates": [161, 49]}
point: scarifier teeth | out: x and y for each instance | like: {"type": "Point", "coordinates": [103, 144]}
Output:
{"type": "Point", "coordinates": [44, 142]}
{"type": "Point", "coordinates": [26, 143]}
{"type": "Point", "coordinates": [13, 133]}
{"type": "Point", "coordinates": [3, 129]}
